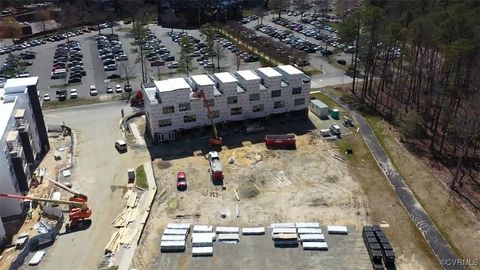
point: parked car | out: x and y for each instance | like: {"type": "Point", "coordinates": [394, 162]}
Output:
{"type": "Point", "coordinates": [73, 94]}
{"type": "Point", "coordinates": [118, 88]}
{"type": "Point", "coordinates": [173, 65]}
{"type": "Point", "coordinates": [75, 79]}
{"type": "Point", "coordinates": [109, 89]}
{"type": "Point", "coordinates": [121, 146]}
{"type": "Point", "coordinates": [93, 90]}
{"type": "Point", "coordinates": [181, 181]}
{"type": "Point", "coordinates": [46, 97]}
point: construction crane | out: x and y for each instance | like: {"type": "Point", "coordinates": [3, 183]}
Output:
{"type": "Point", "coordinates": [79, 211]}
{"type": "Point", "coordinates": [215, 140]}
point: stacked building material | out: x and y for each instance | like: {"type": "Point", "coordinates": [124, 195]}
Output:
{"type": "Point", "coordinates": [253, 231]}
{"type": "Point", "coordinates": [337, 229]}
{"type": "Point", "coordinates": [378, 247]}
{"type": "Point", "coordinates": [202, 228]}
{"type": "Point", "coordinates": [174, 237]}
{"type": "Point", "coordinates": [202, 240]}
{"type": "Point", "coordinates": [387, 250]}
{"type": "Point", "coordinates": [228, 234]}
{"type": "Point", "coordinates": [311, 236]}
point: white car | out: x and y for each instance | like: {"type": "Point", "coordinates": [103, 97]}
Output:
{"type": "Point", "coordinates": [93, 90]}
{"type": "Point", "coordinates": [118, 88]}
{"type": "Point", "coordinates": [73, 94]}
{"type": "Point", "coordinates": [109, 89]}
{"type": "Point", "coordinates": [46, 97]}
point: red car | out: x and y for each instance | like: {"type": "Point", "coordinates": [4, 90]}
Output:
{"type": "Point", "coordinates": [181, 181]}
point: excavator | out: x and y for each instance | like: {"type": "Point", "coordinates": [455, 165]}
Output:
{"type": "Point", "coordinates": [215, 140]}
{"type": "Point", "coordinates": [79, 211]}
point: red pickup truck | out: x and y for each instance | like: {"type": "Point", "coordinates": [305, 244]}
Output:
{"type": "Point", "coordinates": [275, 141]}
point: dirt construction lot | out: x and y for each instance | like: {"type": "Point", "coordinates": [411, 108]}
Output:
{"type": "Point", "coordinates": [303, 185]}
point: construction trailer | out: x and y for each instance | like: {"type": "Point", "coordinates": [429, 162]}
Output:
{"type": "Point", "coordinates": [319, 108]}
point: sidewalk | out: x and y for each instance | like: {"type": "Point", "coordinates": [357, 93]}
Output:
{"type": "Point", "coordinates": [419, 216]}
{"type": "Point", "coordinates": [146, 203]}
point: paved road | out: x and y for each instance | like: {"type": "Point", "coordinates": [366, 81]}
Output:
{"type": "Point", "coordinates": [100, 173]}
{"type": "Point", "coordinates": [445, 255]}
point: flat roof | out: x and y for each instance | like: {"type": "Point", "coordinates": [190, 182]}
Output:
{"type": "Point", "coordinates": [171, 85]}
{"type": "Point", "coordinates": [16, 84]}
{"type": "Point", "coordinates": [202, 80]}
{"type": "Point", "coordinates": [6, 110]}
{"type": "Point", "coordinates": [248, 75]}
{"type": "Point", "coordinates": [289, 69]}
{"type": "Point", "coordinates": [269, 72]}
{"type": "Point", "coordinates": [225, 77]}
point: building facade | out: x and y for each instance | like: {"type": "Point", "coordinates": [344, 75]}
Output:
{"type": "Point", "coordinates": [173, 105]}
{"type": "Point", "coordinates": [24, 140]}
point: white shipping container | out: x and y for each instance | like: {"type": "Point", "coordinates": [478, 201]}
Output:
{"type": "Point", "coordinates": [337, 229]}
{"type": "Point", "coordinates": [307, 225]}
{"type": "Point", "coordinates": [172, 244]}
{"type": "Point", "coordinates": [228, 237]}
{"type": "Point", "coordinates": [312, 238]}
{"type": "Point", "coordinates": [176, 231]}
{"type": "Point", "coordinates": [315, 246]}
{"type": "Point", "coordinates": [309, 230]}
{"type": "Point", "coordinates": [202, 251]}
{"type": "Point", "coordinates": [178, 226]}
{"type": "Point", "coordinates": [227, 230]}
{"type": "Point", "coordinates": [253, 231]}
{"type": "Point", "coordinates": [282, 225]}
{"type": "Point", "coordinates": [201, 238]}
{"type": "Point", "coordinates": [278, 230]}
{"type": "Point", "coordinates": [202, 228]}
{"type": "Point", "coordinates": [204, 235]}
{"type": "Point", "coordinates": [171, 237]}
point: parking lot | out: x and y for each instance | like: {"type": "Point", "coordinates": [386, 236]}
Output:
{"type": "Point", "coordinates": [317, 60]}
{"type": "Point", "coordinates": [94, 67]}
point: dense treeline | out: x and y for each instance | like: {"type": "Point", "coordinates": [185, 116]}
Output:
{"type": "Point", "coordinates": [420, 67]}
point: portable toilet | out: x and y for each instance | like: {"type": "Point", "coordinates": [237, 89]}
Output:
{"type": "Point", "coordinates": [335, 114]}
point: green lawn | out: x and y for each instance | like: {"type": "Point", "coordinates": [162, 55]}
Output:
{"type": "Point", "coordinates": [141, 178]}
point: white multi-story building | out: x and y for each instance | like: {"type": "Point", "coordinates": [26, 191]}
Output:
{"type": "Point", "coordinates": [23, 141]}
{"type": "Point", "coordinates": [173, 105]}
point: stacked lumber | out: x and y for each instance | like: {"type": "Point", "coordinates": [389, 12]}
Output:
{"type": "Point", "coordinates": [130, 213]}
{"type": "Point", "coordinates": [125, 235]}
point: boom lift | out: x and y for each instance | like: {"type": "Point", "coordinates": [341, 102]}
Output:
{"type": "Point", "coordinates": [77, 196]}
{"type": "Point", "coordinates": [79, 211]}
{"type": "Point", "coordinates": [215, 140]}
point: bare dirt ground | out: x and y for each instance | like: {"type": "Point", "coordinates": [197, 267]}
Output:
{"type": "Point", "coordinates": [307, 184]}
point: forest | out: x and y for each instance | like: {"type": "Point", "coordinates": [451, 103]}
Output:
{"type": "Point", "coordinates": [417, 63]}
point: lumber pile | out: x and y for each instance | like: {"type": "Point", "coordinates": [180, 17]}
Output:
{"type": "Point", "coordinates": [125, 235]}
{"type": "Point", "coordinates": [129, 213]}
